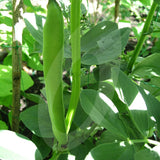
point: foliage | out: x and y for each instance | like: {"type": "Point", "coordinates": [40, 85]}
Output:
{"type": "Point", "coordinates": [117, 116]}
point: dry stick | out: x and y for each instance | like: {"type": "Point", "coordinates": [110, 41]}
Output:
{"type": "Point", "coordinates": [116, 13]}
{"type": "Point", "coordinates": [16, 61]}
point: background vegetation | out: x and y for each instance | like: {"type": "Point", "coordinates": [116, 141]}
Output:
{"type": "Point", "coordinates": [118, 115]}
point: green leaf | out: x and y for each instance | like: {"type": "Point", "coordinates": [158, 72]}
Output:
{"type": "Point", "coordinates": [6, 101]}
{"type": "Point", "coordinates": [144, 122]}
{"type": "Point", "coordinates": [34, 25]}
{"type": "Point", "coordinates": [147, 154]}
{"type": "Point", "coordinates": [36, 118]}
{"type": "Point", "coordinates": [89, 40]}
{"type": "Point", "coordinates": [102, 72]}
{"type": "Point", "coordinates": [29, 40]}
{"type": "Point", "coordinates": [153, 107]}
{"type": "Point", "coordinates": [138, 29]}
{"type": "Point", "coordinates": [130, 94]}
{"type": "Point", "coordinates": [126, 3]}
{"type": "Point", "coordinates": [6, 20]}
{"type": "Point", "coordinates": [44, 145]}
{"type": "Point", "coordinates": [157, 1]}
{"type": "Point", "coordinates": [81, 119]}
{"type": "Point", "coordinates": [82, 150]}
{"type": "Point", "coordinates": [108, 137]}
{"type": "Point", "coordinates": [95, 105]}
{"type": "Point", "coordinates": [153, 85]}
{"type": "Point", "coordinates": [87, 79]}
{"type": "Point", "coordinates": [3, 125]}
{"type": "Point", "coordinates": [33, 61]}
{"type": "Point", "coordinates": [14, 146]}
{"type": "Point", "coordinates": [127, 89]}
{"type": "Point", "coordinates": [149, 67]}
{"type": "Point", "coordinates": [34, 97]}
{"type": "Point", "coordinates": [111, 151]}
{"type": "Point", "coordinates": [26, 81]}
{"type": "Point", "coordinates": [6, 80]}
{"type": "Point", "coordinates": [146, 2]}
{"type": "Point", "coordinates": [28, 3]}
{"type": "Point", "coordinates": [107, 48]}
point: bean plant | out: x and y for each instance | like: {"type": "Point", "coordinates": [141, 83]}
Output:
{"type": "Point", "coordinates": [99, 101]}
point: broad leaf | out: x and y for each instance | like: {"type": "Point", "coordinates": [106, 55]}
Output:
{"type": "Point", "coordinates": [6, 20]}
{"type": "Point", "coordinates": [126, 3]}
{"type": "Point", "coordinates": [152, 85]}
{"type": "Point", "coordinates": [107, 48]}
{"type": "Point", "coordinates": [130, 94]}
{"type": "Point", "coordinates": [127, 90]}
{"type": "Point", "coordinates": [144, 122]}
{"type": "Point", "coordinates": [34, 25]}
{"type": "Point", "coordinates": [44, 145]}
{"type": "Point", "coordinates": [95, 105]}
{"type": "Point", "coordinates": [157, 1]}
{"type": "Point", "coordinates": [89, 40]}
{"type": "Point", "coordinates": [81, 119]}
{"type": "Point", "coordinates": [146, 3]}
{"type": "Point", "coordinates": [111, 151]}
{"type": "Point", "coordinates": [108, 137]}
{"type": "Point", "coordinates": [26, 81]}
{"type": "Point", "coordinates": [153, 106]}
{"type": "Point", "coordinates": [36, 118]}
{"type": "Point", "coordinates": [6, 101]}
{"type": "Point", "coordinates": [28, 3]}
{"type": "Point", "coordinates": [82, 150]}
{"type": "Point", "coordinates": [3, 125]}
{"type": "Point", "coordinates": [34, 97]}
{"type": "Point", "coordinates": [149, 67]}
{"type": "Point", "coordinates": [146, 154]}
{"type": "Point", "coordinates": [6, 80]}
{"type": "Point", "coordinates": [14, 146]}
{"type": "Point", "coordinates": [33, 61]}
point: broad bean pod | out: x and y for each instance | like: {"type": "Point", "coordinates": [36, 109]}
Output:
{"type": "Point", "coordinates": [53, 46]}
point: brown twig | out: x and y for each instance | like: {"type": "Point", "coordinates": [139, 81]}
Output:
{"type": "Point", "coordinates": [17, 29]}
{"type": "Point", "coordinates": [116, 15]}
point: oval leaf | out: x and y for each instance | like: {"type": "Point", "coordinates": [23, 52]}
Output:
{"type": "Point", "coordinates": [149, 67]}
{"type": "Point", "coordinates": [36, 118]}
{"type": "Point", "coordinates": [89, 40]}
{"type": "Point", "coordinates": [107, 48]}
{"type": "Point", "coordinates": [126, 88]}
{"type": "Point", "coordinates": [14, 146]}
{"type": "Point", "coordinates": [100, 112]}
{"type": "Point", "coordinates": [147, 154]}
{"type": "Point", "coordinates": [111, 151]}
{"type": "Point", "coordinates": [6, 80]}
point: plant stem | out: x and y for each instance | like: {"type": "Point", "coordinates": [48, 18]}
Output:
{"type": "Point", "coordinates": [55, 155]}
{"type": "Point", "coordinates": [156, 143]}
{"type": "Point", "coordinates": [76, 61]}
{"type": "Point", "coordinates": [116, 13]}
{"type": "Point", "coordinates": [142, 37]}
{"type": "Point", "coordinates": [17, 29]}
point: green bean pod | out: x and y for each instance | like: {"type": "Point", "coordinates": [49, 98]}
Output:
{"type": "Point", "coordinates": [53, 48]}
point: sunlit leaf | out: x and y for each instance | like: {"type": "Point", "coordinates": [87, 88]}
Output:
{"type": "Point", "coordinates": [14, 146]}
{"type": "Point", "coordinates": [36, 118]}
{"type": "Point", "coordinates": [89, 40]}
{"type": "Point", "coordinates": [99, 111]}
{"type": "Point", "coordinates": [111, 151]}
{"type": "Point", "coordinates": [107, 48]}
